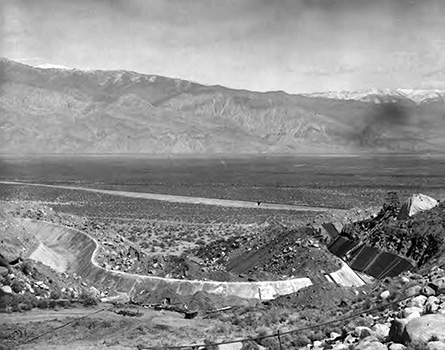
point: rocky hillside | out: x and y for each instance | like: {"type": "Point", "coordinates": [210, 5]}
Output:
{"type": "Point", "coordinates": [72, 111]}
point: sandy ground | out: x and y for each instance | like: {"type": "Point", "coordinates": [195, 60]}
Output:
{"type": "Point", "coordinates": [182, 199]}
{"type": "Point", "coordinates": [99, 327]}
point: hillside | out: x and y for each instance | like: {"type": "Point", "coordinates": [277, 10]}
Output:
{"type": "Point", "coordinates": [115, 112]}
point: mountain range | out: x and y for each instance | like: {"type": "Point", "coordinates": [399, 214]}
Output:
{"type": "Point", "coordinates": [53, 110]}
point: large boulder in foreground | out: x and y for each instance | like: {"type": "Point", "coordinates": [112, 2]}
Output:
{"type": "Point", "coordinates": [422, 329]}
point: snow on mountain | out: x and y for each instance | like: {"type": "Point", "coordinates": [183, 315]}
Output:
{"type": "Point", "coordinates": [51, 66]}
{"type": "Point", "coordinates": [374, 95]}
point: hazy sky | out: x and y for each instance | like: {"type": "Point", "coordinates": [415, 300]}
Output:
{"type": "Point", "coordinates": [291, 45]}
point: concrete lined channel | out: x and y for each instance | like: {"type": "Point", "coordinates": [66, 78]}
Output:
{"type": "Point", "coordinates": [70, 250]}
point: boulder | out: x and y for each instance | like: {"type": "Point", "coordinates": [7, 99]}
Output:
{"type": "Point", "coordinates": [397, 346]}
{"type": "Point", "coordinates": [334, 335]}
{"type": "Point", "coordinates": [438, 285]}
{"type": "Point", "coordinates": [427, 291]}
{"type": "Point", "coordinates": [6, 289]}
{"type": "Point", "coordinates": [421, 329]}
{"type": "Point", "coordinates": [370, 343]}
{"type": "Point", "coordinates": [412, 291]}
{"type": "Point", "coordinates": [435, 345]}
{"type": "Point", "coordinates": [385, 295]}
{"type": "Point", "coordinates": [340, 346]}
{"type": "Point", "coordinates": [411, 312]}
{"type": "Point", "coordinates": [431, 308]}
{"type": "Point", "coordinates": [404, 279]}
{"type": "Point", "coordinates": [3, 271]}
{"type": "Point", "coordinates": [381, 331]}
{"type": "Point", "coordinates": [417, 301]}
{"type": "Point", "coordinates": [432, 300]}
{"type": "Point", "coordinates": [362, 332]}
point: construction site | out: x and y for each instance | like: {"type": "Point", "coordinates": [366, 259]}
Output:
{"type": "Point", "coordinates": [250, 284]}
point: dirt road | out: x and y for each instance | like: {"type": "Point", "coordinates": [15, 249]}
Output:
{"type": "Point", "coordinates": [181, 199]}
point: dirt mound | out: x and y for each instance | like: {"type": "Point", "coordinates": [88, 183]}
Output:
{"type": "Point", "coordinates": [277, 250]}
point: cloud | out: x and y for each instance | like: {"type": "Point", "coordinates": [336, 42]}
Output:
{"type": "Point", "coordinates": [296, 45]}
{"type": "Point", "coordinates": [329, 72]}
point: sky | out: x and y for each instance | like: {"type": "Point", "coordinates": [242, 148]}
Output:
{"type": "Point", "coordinates": [262, 45]}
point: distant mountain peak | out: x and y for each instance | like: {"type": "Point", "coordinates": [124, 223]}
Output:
{"type": "Point", "coordinates": [51, 66]}
{"type": "Point", "coordinates": [375, 95]}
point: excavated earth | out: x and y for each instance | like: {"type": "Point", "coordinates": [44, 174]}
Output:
{"type": "Point", "coordinates": [272, 253]}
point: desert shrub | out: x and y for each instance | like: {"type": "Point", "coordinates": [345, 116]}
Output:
{"type": "Point", "coordinates": [366, 304]}
{"type": "Point", "coordinates": [248, 345]}
{"type": "Point", "coordinates": [17, 286]}
{"type": "Point", "coordinates": [263, 331]}
{"type": "Point", "coordinates": [418, 345]}
{"type": "Point", "coordinates": [64, 303]}
{"type": "Point", "coordinates": [26, 268]}
{"type": "Point", "coordinates": [87, 299]}
{"type": "Point", "coordinates": [299, 340]}
{"type": "Point", "coordinates": [315, 335]}
{"type": "Point", "coordinates": [270, 343]}
{"type": "Point", "coordinates": [5, 301]}
{"type": "Point", "coordinates": [18, 302]}
{"type": "Point", "coordinates": [29, 299]}
{"type": "Point", "coordinates": [55, 294]}
{"type": "Point", "coordinates": [42, 304]}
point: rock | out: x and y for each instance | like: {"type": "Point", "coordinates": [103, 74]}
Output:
{"type": "Point", "coordinates": [431, 308]}
{"type": "Point", "coordinates": [362, 332]}
{"type": "Point", "coordinates": [3, 271]}
{"type": "Point", "coordinates": [404, 279]}
{"type": "Point", "coordinates": [381, 331]}
{"type": "Point", "coordinates": [411, 312]}
{"type": "Point", "coordinates": [232, 346]}
{"type": "Point", "coordinates": [340, 346]}
{"type": "Point", "coordinates": [417, 301]}
{"type": "Point", "coordinates": [397, 346]}
{"type": "Point", "coordinates": [350, 339]}
{"type": "Point", "coordinates": [432, 300]}
{"type": "Point", "coordinates": [6, 289]}
{"type": "Point", "coordinates": [438, 285]}
{"type": "Point", "coordinates": [334, 335]}
{"type": "Point", "coordinates": [385, 295]}
{"type": "Point", "coordinates": [427, 291]}
{"type": "Point", "coordinates": [435, 345]}
{"type": "Point", "coordinates": [397, 329]}
{"type": "Point", "coordinates": [423, 328]}
{"type": "Point", "coordinates": [370, 343]}
{"type": "Point", "coordinates": [412, 291]}
{"type": "Point", "coordinates": [317, 344]}
{"type": "Point", "coordinates": [95, 292]}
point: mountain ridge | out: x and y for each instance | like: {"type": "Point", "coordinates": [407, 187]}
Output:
{"type": "Point", "coordinates": [52, 110]}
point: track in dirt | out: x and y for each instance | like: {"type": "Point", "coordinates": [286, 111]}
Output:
{"type": "Point", "coordinates": [181, 199]}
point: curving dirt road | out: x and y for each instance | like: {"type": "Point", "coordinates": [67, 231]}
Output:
{"type": "Point", "coordinates": [181, 199]}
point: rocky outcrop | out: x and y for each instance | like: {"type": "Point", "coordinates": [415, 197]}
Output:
{"type": "Point", "coordinates": [419, 321]}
